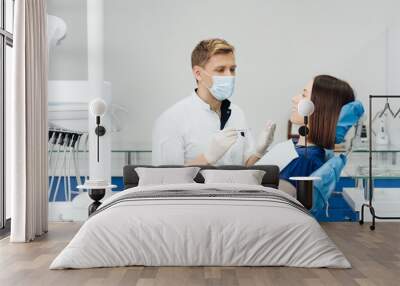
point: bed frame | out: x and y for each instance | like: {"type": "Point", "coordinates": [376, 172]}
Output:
{"type": "Point", "coordinates": [270, 179]}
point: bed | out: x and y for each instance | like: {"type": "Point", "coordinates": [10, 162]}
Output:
{"type": "Point", "coordinates": [198, 224]}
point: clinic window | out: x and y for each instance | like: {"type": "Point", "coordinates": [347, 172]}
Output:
{"type": "Point", "coordinates": [6, 45]}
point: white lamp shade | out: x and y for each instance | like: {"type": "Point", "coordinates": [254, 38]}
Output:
{"type": "Point", "coordinates": [98, 107]}
{"type": "Point", "coordinates": [56, 30]}
{"type": "Point", "coordinates": [305, 107]}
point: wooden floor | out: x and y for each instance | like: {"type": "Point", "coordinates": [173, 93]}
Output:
{"type": "Point", "coordinates": [375, 257]}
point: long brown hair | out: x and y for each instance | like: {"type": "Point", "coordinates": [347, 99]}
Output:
{"type": "Point", "coordinates": [328, 94]}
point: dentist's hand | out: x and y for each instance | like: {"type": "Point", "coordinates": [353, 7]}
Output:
{"type": "Point", "coordinates": [265, 138]}
{"type": "Point", "coordinates": [219, 144]}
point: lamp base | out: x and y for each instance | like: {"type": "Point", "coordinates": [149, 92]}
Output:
{"type": "Point", "coordinates": [305, 189]}
{"type": "Point", "coordinates": [305, 193]}
{"type": "Point", "coordinates": [100, 130]}
{"type": "Point", "coordinates": [96, 195]}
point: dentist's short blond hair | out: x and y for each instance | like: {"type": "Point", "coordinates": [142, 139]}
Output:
{"type": "Point", "coordinates": [208, 48]}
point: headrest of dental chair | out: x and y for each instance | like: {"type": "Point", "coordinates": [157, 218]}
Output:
{"type": "Point", "coordinates": [348, 117]}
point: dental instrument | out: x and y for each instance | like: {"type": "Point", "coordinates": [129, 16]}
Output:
{"type": "Point", "coordinates": [86, 152]}
{"type": "Point", "coordinates": [65, 166]}
{"type": "Point", "coordinates": [67, 191]}
{"type": "Point", "coordinates": [52, 141]}
{"type": "Point", "coordinates": [61, 145]}
{"type": "Point", "coordinates": [60, 168]}
{"type": "Point", "coordinates": [59, 141]}
{"type": "Point", "coordinates": [75, 160]}
{"type": "Point", "coordinates": [73, 150]}
{"type": "Point", "coordinates": [242, 131]}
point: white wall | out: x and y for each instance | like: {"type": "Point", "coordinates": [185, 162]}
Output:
{"type": "Point", "coordinates": [280, 46]}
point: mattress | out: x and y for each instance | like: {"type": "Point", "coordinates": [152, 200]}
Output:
{"type": "Point", "coordinates": [201, 225]}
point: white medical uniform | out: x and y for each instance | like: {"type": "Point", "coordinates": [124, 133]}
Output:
{"type": "Point", "coordinates": [184, 131]}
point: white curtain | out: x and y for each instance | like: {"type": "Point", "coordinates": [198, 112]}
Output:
{"type": "Point", "coordinates": [27, 117]}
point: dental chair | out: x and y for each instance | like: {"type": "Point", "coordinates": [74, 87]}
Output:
{"type": "Point", "coordinates": [330, 171]}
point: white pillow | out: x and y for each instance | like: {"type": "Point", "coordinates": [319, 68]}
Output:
{"type": "Point", "coordinates": [166, 176]}
{"type": "Point", "coordinates": [248, 177]}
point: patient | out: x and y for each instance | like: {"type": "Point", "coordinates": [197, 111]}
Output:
{"type": "Point", "coordinates": [328, 94]}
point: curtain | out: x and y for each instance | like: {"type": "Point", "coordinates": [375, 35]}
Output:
{"type": "Point", "coordinates": [27, 117]}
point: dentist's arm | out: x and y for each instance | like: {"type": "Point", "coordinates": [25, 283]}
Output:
{"type": "Point", "coordinates": [200, 160]}
{"type": "Point", "coordinates": [220, 143]}
{"type": "Point", "coordinates": [252, 160]}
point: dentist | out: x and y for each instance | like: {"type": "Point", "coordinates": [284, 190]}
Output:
{"type": "Point", "coordinates": [205, 128]}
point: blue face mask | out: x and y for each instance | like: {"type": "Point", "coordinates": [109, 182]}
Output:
{"type": "Point", "coordinates": [222, 87]}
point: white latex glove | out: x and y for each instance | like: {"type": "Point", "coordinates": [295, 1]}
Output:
{"type": "Point", "coordinates": [220, 143]}
{"type": "Point", "coordinates": [265, 138]}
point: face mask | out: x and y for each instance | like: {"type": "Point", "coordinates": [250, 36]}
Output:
{"type": "Point", "coordinates": [223, 87]}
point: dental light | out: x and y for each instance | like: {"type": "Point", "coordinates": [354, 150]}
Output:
{"type": "Point", "coordinates": [305, 108]}
{"type": "Point", "coordinates": [98, 108]}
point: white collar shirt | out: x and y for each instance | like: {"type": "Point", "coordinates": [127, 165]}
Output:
{"type": "Point", "coordinates": [184, 131]}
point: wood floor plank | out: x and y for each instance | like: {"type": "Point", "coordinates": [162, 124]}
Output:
{"type": "Point", "coordinates": [374, 255]}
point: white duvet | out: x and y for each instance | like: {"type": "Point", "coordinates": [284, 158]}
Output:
{"type": "Point", "coordinates": [200, 231]}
